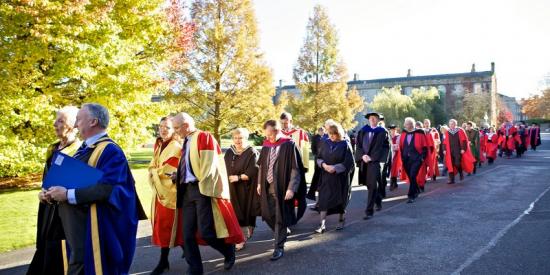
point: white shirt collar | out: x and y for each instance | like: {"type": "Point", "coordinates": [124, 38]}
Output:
{"type": "Point", "coordinates": [93, 139]}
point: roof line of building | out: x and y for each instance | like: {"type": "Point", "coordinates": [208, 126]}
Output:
{"type": "Point", "coordinates": [410, 78]}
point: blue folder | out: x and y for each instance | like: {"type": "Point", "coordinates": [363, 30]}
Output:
{"type": "Point", "coordinates": [70, 173]}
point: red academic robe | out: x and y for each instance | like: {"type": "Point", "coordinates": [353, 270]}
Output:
{"type": "Point", "coordinates": [530, 133]}
{"type": "Point", "coordinates": [491, 145]}
{"type": "Point", "coordinates": [165, 217]}
{"type": "Point", "coordinates": [396, 159]}
{"type": "Point", "coordinates": [482, 146]}
{"type": "Point", "coordinates": [513, 137]}
{"type": "Point", "coordinates": [205, 153]}
{"type": "Point", "coordinates": [420, 141]}
{"type": "Point", "coordinates": [467, 160]}
{"type": "Point", "coordinates": [431, 158]}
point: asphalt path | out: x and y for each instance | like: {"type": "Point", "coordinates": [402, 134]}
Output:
{"type": "Point", "coordinates": [494, 222]}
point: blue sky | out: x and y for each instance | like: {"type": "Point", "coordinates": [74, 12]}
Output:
{"type": "Point", "coordinates": [384, 38]}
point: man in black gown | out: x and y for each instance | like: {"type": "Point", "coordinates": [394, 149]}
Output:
{"type": "Point", "coordinates": [281, 182]}
{"type": "Point", "coordinates": [372, 152]}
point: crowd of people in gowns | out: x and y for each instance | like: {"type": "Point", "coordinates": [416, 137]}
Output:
{"type": "Point", "coordinates": [204, 196]}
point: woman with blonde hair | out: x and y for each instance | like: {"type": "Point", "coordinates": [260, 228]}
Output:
{"type": "Point", "coordinates": [242, 168]}
{"type": "Point", "coordinates": [336, 160]}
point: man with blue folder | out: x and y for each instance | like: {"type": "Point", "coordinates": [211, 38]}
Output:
{"type": "Point", "coordinates": [110, 208]}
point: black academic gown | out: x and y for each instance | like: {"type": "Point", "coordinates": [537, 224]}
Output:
{"type": "Point", "coordinates": [48, 258]}
{"type": "Point", "coordinates": [335, 188]}
{"type": "Point", "coordinates": [244, 198]}
{"type": "Point", "coordinates": [316, 143]}
{"type": "Point", "coordinates": [379, 149]}
{"type": "Point", "coordinates": [282, 177]}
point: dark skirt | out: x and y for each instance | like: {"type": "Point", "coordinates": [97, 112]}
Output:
{"type": "Point", "coordinates": [333, 192]}
{"type": "Point", "coordinates": [245, 201]}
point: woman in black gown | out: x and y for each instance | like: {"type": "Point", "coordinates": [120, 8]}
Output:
{"type": "Point", "coordinates": [240, 161]}
{"type": "Point", "coordinates": [336, 160]}
{"type": "Point", "coordinates": [51, 251]}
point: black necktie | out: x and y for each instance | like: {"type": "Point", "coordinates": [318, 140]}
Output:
{"type": "Point", "coordinates": [80, 150]}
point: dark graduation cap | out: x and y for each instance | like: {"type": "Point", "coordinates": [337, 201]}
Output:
{"type": "Point", "coordinates": [392, 126]}
{"type": "Point", "coordinates": [373, 114]}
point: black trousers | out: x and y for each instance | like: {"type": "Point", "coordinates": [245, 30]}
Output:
{"type": "Point", "coordinates": [74, 219]}
{"type": "Point", "coordinates": [198, 216]}
{"type": "Point", "coordinates": [383, 180]}
{"type": "Point", "coordinates": [279, 228]}
{"type": "Point", "coordinates": [373, 174]}
{"type": "Point", "coordinates": [412, 167]}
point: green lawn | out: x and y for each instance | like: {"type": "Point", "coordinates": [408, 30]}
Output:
{"type": "Point", "coordinates": [18, 208]}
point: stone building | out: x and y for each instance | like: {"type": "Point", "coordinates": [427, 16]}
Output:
{"type": "Point", "coordinates": [450, 86]}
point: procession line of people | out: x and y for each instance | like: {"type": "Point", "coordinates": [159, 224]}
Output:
{"type": "Point", "coordinates": [203, 198]}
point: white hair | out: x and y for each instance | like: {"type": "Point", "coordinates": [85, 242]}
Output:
{"type": "Point", "coordinates": [409, 119]}
{"type": "Point", "coordinates": [186, 118]}
{"type": "Point", "coordinates": [241, 131]}
{"type": "Point", "coordinates": [453, 120]}
{"type": "Point", "coordinates": [70, 113]}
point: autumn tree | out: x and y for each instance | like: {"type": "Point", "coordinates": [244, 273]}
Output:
{"type": "Point", "coordinates": [537, 106]}
{"type": "Point", "coordinates": [225, 82]}
{"type": "Point", "coordinates": [321, 77]}
{"type": "Point", "coordinates": [55, 53]}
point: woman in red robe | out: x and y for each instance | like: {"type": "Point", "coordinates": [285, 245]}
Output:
{"type": "Point", "coordinates": [165, 217]}
{"type": "Point", "coordinates": [491, 145]}
{"type": "Point", "coordinates": [432, 137]}
{"type": "Point", "coordinates": [396, 157]}
{"type": "Point", "coordinates": [508, 137]}
{"type": "Point", "coordinates": [482, 146]}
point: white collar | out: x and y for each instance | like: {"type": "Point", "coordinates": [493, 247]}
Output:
{"type": "Point", "coordinates": [93, 139]}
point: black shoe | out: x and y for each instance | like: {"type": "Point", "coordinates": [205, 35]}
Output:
{"type": "Point", "coordinates": [378, 207]}
{"type": "Point", "coordinates": [277, 254]}
{"type": "Point", "coordinates": [229, 262]}
{"type": "Point", "coordinates": [315, 208]}
{"type": "Point", "coordinates": [434, 178]}
{"type": "Point", "coordinates": [411, 200]}
{"type": "Point", "coordinates": [341, 224]}
{"type": "Point", "coordinates": [367, 217]}
{"type": "Point", "coordinates": [161, 268]}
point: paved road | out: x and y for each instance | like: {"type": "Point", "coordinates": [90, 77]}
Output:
{"type": "Point", "coordinates": [496, 222]}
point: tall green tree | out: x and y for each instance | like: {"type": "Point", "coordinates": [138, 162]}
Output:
{"type": "Point", "coordinates": [225, 82]}
{"type": "Point", "coordinates": [425, 101]}
{"type": "Point", "coordinates": [68, 52]}
{"type": "Point", "coordinates": [474, 107]}
{"type": "Point", "coordinates": [321, 77]}
{"type": "Point", "coordinates": [393, 104]}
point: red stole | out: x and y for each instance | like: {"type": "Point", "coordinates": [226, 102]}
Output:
{"type": "Point", "coordinates": [467, 160]}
